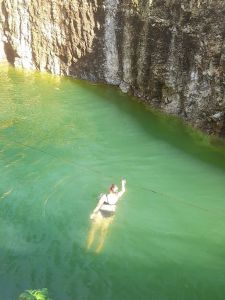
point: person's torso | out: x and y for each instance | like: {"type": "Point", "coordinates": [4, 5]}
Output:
{"type": "Point", "coordinates": [111, 199]}
{"type": "Point", "coordinates": [110, 202]}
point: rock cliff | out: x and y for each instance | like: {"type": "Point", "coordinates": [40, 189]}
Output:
{"type": "Point", "coordinates": [170, 53]}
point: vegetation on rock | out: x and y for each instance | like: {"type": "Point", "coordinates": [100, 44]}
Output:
{"type": "Point", "coordinates": [35, 295]}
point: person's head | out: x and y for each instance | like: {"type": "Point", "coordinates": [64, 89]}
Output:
{"type": "Point", "coordinates": [113, 188]}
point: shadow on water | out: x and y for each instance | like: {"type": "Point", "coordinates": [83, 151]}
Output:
{"type": "Point", "coordinates": [39, 252]}
{"type": "Point", "coordinates": [169, 129]}
{"type": "Point", "coordinates": [165, 274]}
{"type": "Point", "coordinates": [165, 279]}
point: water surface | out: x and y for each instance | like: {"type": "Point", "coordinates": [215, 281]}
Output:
{"type": "Point", "coordinates": [62, 143]}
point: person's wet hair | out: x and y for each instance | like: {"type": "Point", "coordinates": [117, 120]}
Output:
{"type": "Point", "coordinates": [112, 187]}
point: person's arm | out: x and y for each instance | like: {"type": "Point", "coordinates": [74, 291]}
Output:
{"type": "Point", "coordinates": [123, 189]}
{"type": "Point", "coordinates": [100, 203]}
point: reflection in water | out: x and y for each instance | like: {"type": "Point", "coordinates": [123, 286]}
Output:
{"type": "Point", "coordinates": [4, 195]}
{"type": "Point", "coordinates": [15, 161]}
{"type": "Point", "coordinates": [54, 190]}
{"type": "Point", "coordinates": [98, 231]}
{"type": "Point", "coordinates": [6, 124]}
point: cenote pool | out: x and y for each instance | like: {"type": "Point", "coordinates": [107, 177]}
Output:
{"type": "Point", "coordinates": [62, 143]}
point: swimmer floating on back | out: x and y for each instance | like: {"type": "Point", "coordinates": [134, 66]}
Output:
{"type": "Point", "coordinates": [103, 214]}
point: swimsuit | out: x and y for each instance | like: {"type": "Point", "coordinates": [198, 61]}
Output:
{"type": "Point", "coordinates": [107, 213]}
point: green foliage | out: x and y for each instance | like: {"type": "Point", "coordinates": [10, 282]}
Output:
{"type": "Point", "coordinates": [35, 295]}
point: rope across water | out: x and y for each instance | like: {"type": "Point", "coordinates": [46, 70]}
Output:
{"type": "Point", "coordinates": [170, 197]}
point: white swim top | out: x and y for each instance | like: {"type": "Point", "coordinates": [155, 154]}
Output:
{"type": "Point", "coordinates": [110, 200]}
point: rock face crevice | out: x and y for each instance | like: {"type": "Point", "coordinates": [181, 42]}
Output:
{"type": "Point", "coordinates": [169, 53]}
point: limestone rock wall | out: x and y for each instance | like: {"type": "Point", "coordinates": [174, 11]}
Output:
{"type": "Point", "coordinates": [61, 37]}
{"type": "Point", "coordinates": [179, 61]}
{"type": "Point", "coordinates": [170, 53]}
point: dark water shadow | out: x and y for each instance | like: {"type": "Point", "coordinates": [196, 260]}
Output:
{"type": "Point", "coordinates": [175, 268]}
{"type": "Point", "coordinates": [169, 129]}
{"type": "Point", "coordinates": [49, 257]}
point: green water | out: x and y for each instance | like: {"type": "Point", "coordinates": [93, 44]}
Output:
{"type": "Point", "coordinates": [62, 143]}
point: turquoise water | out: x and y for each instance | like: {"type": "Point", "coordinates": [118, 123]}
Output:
{"type": "Point", "coordinates": [62, 143]}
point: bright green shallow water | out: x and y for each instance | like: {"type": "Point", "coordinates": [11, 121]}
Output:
{"type": "Point", "coordinates": [62, 142]}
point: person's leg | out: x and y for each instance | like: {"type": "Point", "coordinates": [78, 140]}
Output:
{"type": "Point", "coordinates": [96, 223]}
{"type": "Point", "coordinates": [103, 232]}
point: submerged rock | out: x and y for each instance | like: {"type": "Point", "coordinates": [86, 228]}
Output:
{"type": "Point", "coordinates": [169, 53]}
